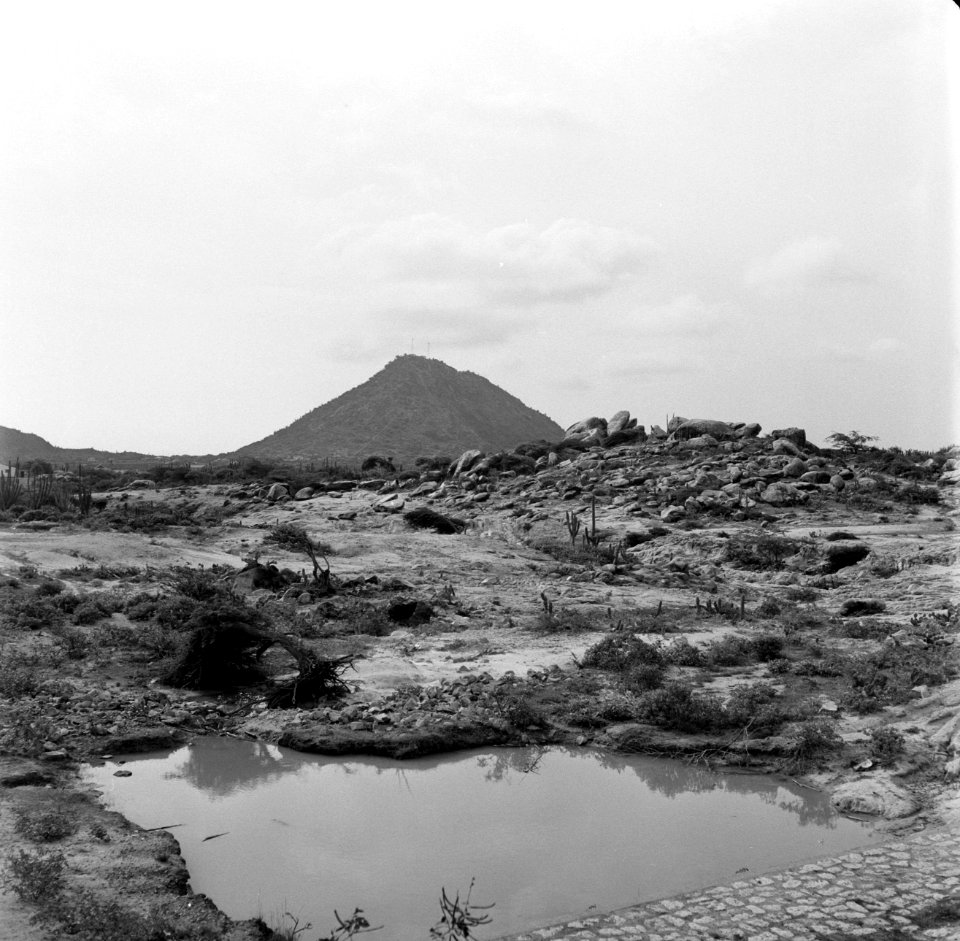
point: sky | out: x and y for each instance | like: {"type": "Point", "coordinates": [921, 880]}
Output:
{"type": "Point", "coordinates": [215, 217]}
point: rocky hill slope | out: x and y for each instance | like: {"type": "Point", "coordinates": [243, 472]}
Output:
{"type": "Point", "coordinates": [413, 407]}
{"type": "Point", "coordinates": [23, 446]}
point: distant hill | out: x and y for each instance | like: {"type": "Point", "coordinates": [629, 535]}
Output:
{"type": "Point", "coordinates": [16, 444]}
{"type": "Point", "coordinates": [413, 407]}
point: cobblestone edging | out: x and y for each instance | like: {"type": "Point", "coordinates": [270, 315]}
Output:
{"type": "Point", "coordinates": [859, 894]}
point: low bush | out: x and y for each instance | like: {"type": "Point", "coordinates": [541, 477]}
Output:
{"type": "Point", "coordinates": [756, 707]}
{"type": "Point", "coordinates": [643, 677]}
{"type": "Point", "coordinates": [767, 647]}
{"type": "Point", "coordinates": [679, 707]}
{"type": "Point", "coordinates": [621, 652]}
{"type": "Point", "coordinates": [760, 552]}
{"type": "Point", "coordinates": [33, 876]}
{"type": "Point", "coordinates": [682, 653]}
{"type": "Point", "coordinates": [813, 740]}
{"type": "Point", "coordinates": [566, 621]}
{"type": "Point", "coordinates": [857, 606]}
{"type": "Point", "coordinates": [45, 824]}
{"type": "Point", "coordinates": [729, 651]}
{"type": "Point", "coordinates": [886, 745]}
{"type": "Point", "coordinates": [74, 643]}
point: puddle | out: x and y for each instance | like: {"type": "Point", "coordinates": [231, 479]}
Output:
{"type": "Point", "coordinates": [547, 835]}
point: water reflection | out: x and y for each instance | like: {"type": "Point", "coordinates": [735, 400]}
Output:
{"type": "Point", "coordinates": [224, 767]}
{"type": "Point", "coordinates": [669, 778]}
{"type": "Point", "coordinates": [546, 833]}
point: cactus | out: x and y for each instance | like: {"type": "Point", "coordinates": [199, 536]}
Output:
{"type": "Point", "coordinates": [84, 493]}
{"type": "Point", "coordinates": [10, 487]}
{"type": "Point", "coordinates": [573, 525]}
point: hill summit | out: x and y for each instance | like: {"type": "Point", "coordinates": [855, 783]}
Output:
{"type": "Point", "coordinates": [413, 407]}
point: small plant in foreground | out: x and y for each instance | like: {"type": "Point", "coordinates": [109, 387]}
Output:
{"type": "Point", "coordinates": [457, 919]}
{"type": "Point", "coordinates": [33, 876]}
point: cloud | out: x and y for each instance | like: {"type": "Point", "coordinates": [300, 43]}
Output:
{"type": "Point", "coordinates": [570, 260]}
{"type": "Point", "coordinates": [803, 264]}
{"type": "Point", "coordinates": [684, 315]}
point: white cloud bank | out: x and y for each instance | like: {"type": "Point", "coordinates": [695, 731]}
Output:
{"type": "Point", "coordinates": [570, 260]}
{"type": "Point", "coordinates": [803, 264]}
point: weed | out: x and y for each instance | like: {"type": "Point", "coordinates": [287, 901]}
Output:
{"type": "Point", "coordinates": [33, 876]}
{"type": "Point", "coordinates": [457, 919]}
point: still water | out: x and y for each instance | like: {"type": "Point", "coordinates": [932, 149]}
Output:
{"type": "Point", "coordinates": [547, 835]}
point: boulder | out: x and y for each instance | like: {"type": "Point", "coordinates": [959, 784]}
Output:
{"type": "Point", "coordinates": [877, 796]}
{"type": "Point", "coordinates": [697, 427]}
{"type": "Point", "coordinates": [749, 430]}
{"type": "Point", "coordinates": [785, 446]}
{"type": "Point", "coordinates": [816, 477]}
{"type": "Point", "coordinates": [304, 493]}
{"type": "Point", "coordinates": [782, 494]}
{"type": "Point", "coordinates": [675, 423]}
{"type": "Point", "coordinates": [391, 504]}
{"type": "Point", "coordinates": [277, 492]}
{"type": "Point", "coordinates": [698, 442]}
{"type": "Point", "coordinates": [466, 461]}
{"type": "Point", "coordinates": [621, 421]}
{"type": "Point", "coordinates": [673, 514]}
{"type": "Point", "coordinates": [587, 428]}
{"type": "Point", "coordinates": [142, 484]}
{"type": "Point", "coordinates": [657, 432]}
{"type": "Point", "coordinates": [796, 468]}
{"type": "Point", "coordinates": [797, 435]}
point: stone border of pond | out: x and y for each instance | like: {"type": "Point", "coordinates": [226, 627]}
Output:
{"type": "Point", "coordinates": [908, 890]}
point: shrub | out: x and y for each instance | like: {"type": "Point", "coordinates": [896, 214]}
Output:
{"type": "Point", "coordinates": [45, 824]}
{"type": "Point", "coordinates": [618, 652]}
{"type": "Point", "coordinates": [567, 621]}
{"type": "Point", "coordinates": [682, 653]}
{"type": "Point", "coordinates": [85, 916]}
{"type": "Point", "coordinates": [75, 643]}
{"type": "Point", "coordinates": [886, 745]}
{"type": "Point", "coordinates": [760, 552]}
{"type": "Point", "coordinates": [676, 706]}
{"type": "Point", "coordinates": [33, 876]}
{"type": "Point", "coordinates": [755, 707]}
{"type": "Point", "coordinates": [643, 677]}
{"type": "Point", "coordinates": [729, 651]}
{"type": "Point", "coordinates": [767, 647]}
{"type": "Point", "coordinates": [18, 680]}
{"type": "Point", "coordinates": [813, 740]}
{"type": "Point", "coordinates": [858, 606]}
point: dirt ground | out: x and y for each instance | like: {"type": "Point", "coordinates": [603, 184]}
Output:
{"type": "Point", "coordinates": [498, 652]}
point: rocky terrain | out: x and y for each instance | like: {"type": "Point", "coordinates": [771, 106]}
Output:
{"type": "Point", "coordinates": [705, 591]}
